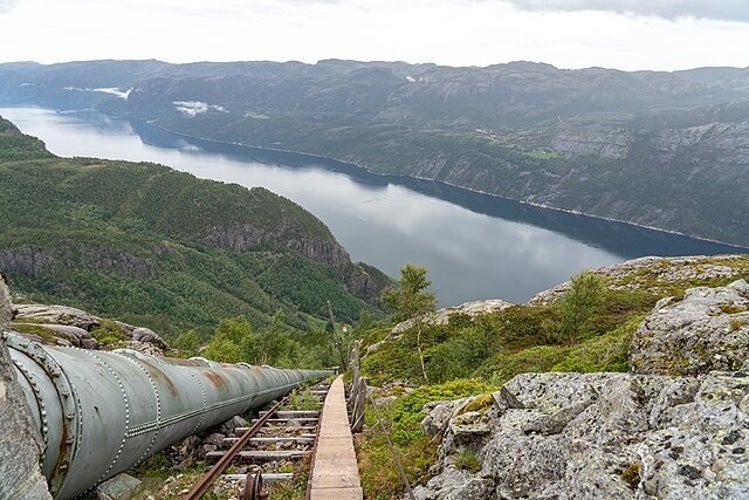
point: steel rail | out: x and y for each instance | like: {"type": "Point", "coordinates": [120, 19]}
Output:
{"type": "Point", "coordinates": [210, 476]}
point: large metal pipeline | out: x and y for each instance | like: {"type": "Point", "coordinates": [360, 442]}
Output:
{"type": "Point", "coordinates": [101, 412]}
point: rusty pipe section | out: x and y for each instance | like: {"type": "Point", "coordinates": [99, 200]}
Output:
{"type": "Point", "coordinates": [101, 412]}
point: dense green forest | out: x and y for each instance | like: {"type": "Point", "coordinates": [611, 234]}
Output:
{"type": "Point", "coordinates": [149, 245]}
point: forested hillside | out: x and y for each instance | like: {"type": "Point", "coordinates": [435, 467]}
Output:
{"type": "Point", "coordinates": [146, 244]}
{"type": "Point", "coordinates": [662, 149]}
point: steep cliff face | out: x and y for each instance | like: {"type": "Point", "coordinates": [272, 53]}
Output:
{"type": "Point", "coordinates": [37, 261]}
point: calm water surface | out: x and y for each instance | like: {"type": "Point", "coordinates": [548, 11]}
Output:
{"type": "Point", "coordinates": [475, 246]}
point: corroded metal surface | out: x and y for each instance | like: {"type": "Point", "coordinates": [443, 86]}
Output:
{"type": "Point", "coordinates": [102, 412]}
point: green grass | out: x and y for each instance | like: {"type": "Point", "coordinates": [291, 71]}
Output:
{"type": "Point", "coordinates": [416, 451]}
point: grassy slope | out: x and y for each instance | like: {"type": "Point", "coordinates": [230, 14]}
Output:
{"type": "Point", "coordinates": [467, 357]}
{"type": "Point", "coordinates": [129, 240]}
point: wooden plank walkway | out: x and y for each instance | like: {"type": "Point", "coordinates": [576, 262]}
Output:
{"type": "Point", "coordinates": [335, 474]}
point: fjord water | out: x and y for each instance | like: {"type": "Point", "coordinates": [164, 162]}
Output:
{"type": "Point", "coordinates": [475, 246]}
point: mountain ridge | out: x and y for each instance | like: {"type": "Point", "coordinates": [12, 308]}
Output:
{"type": "Point", "coordinates": [666, 150]}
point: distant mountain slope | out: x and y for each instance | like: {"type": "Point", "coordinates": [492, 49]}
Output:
{"type": "Point", "coordinates": [144, 242]}
{"type": "Point", "coordinates": [666, 150]}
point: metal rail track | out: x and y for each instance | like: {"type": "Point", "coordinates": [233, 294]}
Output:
{"type": "Point", "coordinates": [269, 422]}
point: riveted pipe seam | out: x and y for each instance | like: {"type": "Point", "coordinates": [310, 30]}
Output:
{"type": "Point", "coordinates": [114, 409]}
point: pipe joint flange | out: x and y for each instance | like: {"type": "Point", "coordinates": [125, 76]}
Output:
{"type": "Point", "coordinates": [69, 404]}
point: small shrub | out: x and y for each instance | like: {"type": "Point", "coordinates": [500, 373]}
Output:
{"type": "Point", "coordinates": [109, 333]}
{"type": "Point", "coordinates": [157, 465]}
{"type": "Point", "coordinates": [503, 366]}
{"type": "Point", "coordinates": [631, 475]}
{"type": "Point", "coordinates": [579, 303]}
{"type": "Point", "coordinates": [467, 460]}
{"type": "Point", "coordinates": [607, 353]}
{"type": "Point", "coordinates": [302, 400]}
{"type": "Point", "coordinates": [294, 489]}
{"type": "Point", "coordinates": [732, 308]}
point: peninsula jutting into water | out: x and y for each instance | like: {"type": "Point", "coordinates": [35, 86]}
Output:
{"type": "Point", "coordinates": [475, 246]}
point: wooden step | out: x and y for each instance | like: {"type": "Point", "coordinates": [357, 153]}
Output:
{"type": "Point", "coordinates": [294, 413]}
{"type": "Point", "coordinates": [301, 420]}
{"type": "Point", "coordinates": [310, 428]}
{"type": "Point", "coordinates": [262, 456]}
{"type": "Point", "coordinates": [266, 440]}
{"type": "Point", "coordinates": [269, 477]}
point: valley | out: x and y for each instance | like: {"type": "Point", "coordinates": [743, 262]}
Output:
{"type": "Point", "coordinates": [475, 246]}
{"type": "Point", "coordinates": [649, 148]}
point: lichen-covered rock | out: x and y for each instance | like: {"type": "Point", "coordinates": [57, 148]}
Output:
{"type": "Point", "coordinates": [604, 435]}
{"type": "Point", "coordinates": [438, 415]}
{"type": "Point", "coordinates": [21, 447]}
{"type": "Point", "coordinates": [652, 273]}
{"type": "Point", "coordinates": [707, 330]}
{"type": "Point", "coordinates": [147, 335]}
{"type": "Point", "coordinates": [456, 484]}
{"type": "Point", "coordinates": [120, 487]}
{"type": "Point", "coordinates": [6, 306]}
{"type": "Point", "coordinates": [61, 315]}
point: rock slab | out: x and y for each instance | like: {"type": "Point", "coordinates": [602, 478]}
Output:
{"type": "Point", "coordinates": [20, 476]}
{"type": "Point", "coordinates": [707, 329]}
{"type": "Point", "coordinates": [603, 435]}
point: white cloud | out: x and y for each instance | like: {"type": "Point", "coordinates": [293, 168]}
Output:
{"type": "Point", "coordinates": [726, 10]}
{"type": "Point", "coordinates": [451, 32]}
{"type": "Point", "coordinates": [194, 108]}
{"type": "Point", "coordinates": [7, 5]}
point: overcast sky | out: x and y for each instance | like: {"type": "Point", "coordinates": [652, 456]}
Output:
{"type": "Point", "coordinates": [624, 34]}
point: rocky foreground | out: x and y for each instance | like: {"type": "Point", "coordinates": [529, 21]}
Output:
{"type": "Point", "coordinates": [676, 426]}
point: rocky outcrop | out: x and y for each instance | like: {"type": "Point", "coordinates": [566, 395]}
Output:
{"type": "Point", "coordinates": [324, 251]}
{"type": "Point", "coordinates": [249, 237]}
{"type": "Point", "coordinates": [652, 273]}
{"type": "Point", "coordinates": [677, 427]}
{"type": "Point", "coordinates": [471, 310]}
{"type": "Point", "coordinates": [601, 435]}
{"type": "Point", "coordinates": [707, 329]}
{"type": "Point", "coordinates": [355, 277]}
{"type": "Point", "coordinates": [442, 316]}
{"type": "Point", "coordinates": [39, 261]}
{"type": "Point", "coordinates": [69, 326]}
{"type": "Point", "coordinates": [61, 315]}
{"type": "Point", "coordinates": [22, 446]}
